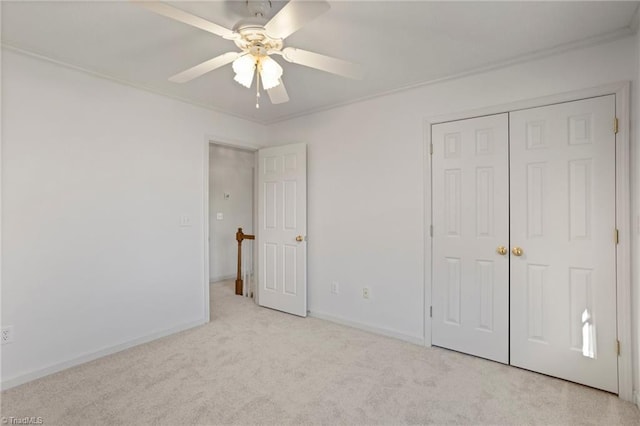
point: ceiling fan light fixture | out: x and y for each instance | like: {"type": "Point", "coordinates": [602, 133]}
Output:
{"type": "Point", "coordinates": [256, 38]}
{"type": "Point", "coordinates": [244, 79]}
{"type": "Point", "coordinates": [270, 72]}
{"type": "Point", "coordinates": [245, 67]}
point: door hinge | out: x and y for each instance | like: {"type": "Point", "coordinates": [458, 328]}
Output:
{"type": "Point", "coordinates": [431, 230]}
{"type": "Point", "coordinates": [430, 311]}
{"type": "Point", "coordinates": [618, 347]}
{"type": "Point", "coordinates": [615, 125]}
{"type": "Point", "coordinates": [616, 236]}
{"type": "Point", "coordinates": [431, 149]}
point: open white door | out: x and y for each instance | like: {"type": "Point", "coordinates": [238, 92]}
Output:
{"type": "Point", "coordinates": [470, 236]}
{"type": "Point", "coordinates": [282, 228]}
{"type": "Point", "coordinates": [563, 260]}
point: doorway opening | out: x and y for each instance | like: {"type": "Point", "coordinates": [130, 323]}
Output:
{"type": "Point", "coordinates": [231, 206]}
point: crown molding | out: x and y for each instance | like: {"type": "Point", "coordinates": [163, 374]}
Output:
{"type": "Point", "coordinates": [145, 88]}
{"type": "Point", "coordinates": [539, 54]}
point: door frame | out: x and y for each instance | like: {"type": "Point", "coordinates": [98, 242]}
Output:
{"type": "Point", "coordinates": [231, 143]}
{"type": "Point", "coordinates": [622, 91]}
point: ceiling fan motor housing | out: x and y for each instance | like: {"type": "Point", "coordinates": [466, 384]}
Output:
{"type": "Point", "coordinates": [254, 38]}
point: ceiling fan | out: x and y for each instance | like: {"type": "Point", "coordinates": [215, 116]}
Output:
{"type": "Point", "coordinates": [258, 39]}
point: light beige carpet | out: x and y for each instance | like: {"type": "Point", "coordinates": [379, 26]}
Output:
{"type": "Point", "coordinates": [251, 365]}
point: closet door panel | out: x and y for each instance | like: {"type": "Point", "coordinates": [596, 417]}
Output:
{"type": "Point", "coordinates": [470, 219]}
{"type": "Point", "coordinates": [563, 283]}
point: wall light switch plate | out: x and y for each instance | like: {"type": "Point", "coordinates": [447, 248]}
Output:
{"type": "Point", "coordinates": [185, 220]}
{"type": "Point", "coordinates": [7, 334]}
{"type": "Point", "coordinates": [219, 216]}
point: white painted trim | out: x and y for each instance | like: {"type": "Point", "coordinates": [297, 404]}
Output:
{"type": "Point", "coordinates": [608, 89]}
{"type": "Point", "coordinates": [529, 57]}
{"type": "Point", "coordinates": [206, 279]}
{"type": "Point", "coordinates": [623, 223]}
{"type": "Point", "coordinates": [416, 340]}
{"type": "Point", "coordinates": [97, 74]}
{"type": "Point", "coordinates": [28, 377]}
{"type": "Point", "coordinates": [256, 262]}
{"type": "Point", "coordinates": [623, 206]}
{"type": "Point", "coordinates": [428, 239]}
{"type": "Point", "coordinates": [213, 280]}
{"type": "Point", "coordinates": [540, 54]}
{"type": "Point", "coordinates": [232, 143]}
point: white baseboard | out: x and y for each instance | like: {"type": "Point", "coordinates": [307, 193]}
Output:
{"type": "Point", "coordinates": [417, 340]}
{"type": "Point", "coordinates": [24, 378]}
{"type": "Point", "coordinates": [221, 278]}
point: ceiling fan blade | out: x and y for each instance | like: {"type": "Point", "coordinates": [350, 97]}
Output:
{"type": "Point", "coordinates": [278, 94]}
{"type": "Point", "coordinates": [293, 16]}
{"type": "Point", "coordinates": [205, 67]}
{"type": "Point", "coordinates": [322, 62]}
{"type": "Point", "coordinates": [185, 17]}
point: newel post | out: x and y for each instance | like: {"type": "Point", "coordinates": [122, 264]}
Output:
{"type": "Point", "coordinates": [240, 236]}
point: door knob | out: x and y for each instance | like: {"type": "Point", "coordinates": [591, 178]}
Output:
{"type": "Point", "coordinates": [502, 250]}
{"type": "Point", "coordinates": [299, 238]}
{"type": "Point", "coordinates": [517, 251]}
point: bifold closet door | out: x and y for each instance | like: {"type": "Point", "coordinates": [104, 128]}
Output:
{"type": "Point", "coordinates": [563, 276]}
{"type": "Point", "coordinates": [470, 235]}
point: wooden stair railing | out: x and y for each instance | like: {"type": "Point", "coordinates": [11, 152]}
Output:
{"type": "Point", "coordinates": [240, 236]}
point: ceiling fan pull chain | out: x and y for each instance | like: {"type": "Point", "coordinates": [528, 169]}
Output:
{"type": "Point", "coordinates": [257, 86]}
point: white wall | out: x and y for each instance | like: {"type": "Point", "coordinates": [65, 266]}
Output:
{"type": "Point", "coordinates": [366, 189]}
{"type": "Point", "coordinates": [95, 178]}
{"type": "Point", "coordinates": [230, 172]}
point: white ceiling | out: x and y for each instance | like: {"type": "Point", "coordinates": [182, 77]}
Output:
{"type": "Point", "coordinates": [400, 44]}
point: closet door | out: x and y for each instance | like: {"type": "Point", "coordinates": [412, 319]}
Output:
{"type": "Point", "coordinates": [470, 224]}
{"type": "Point", "coordinates": [563, 277]}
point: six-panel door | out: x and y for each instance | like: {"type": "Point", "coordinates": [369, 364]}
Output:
{"type": "Point", "coordinates": [560, 212]}
{"type": "Point", "coordinates": [470, 223]}
{"type": "Point", "coordinates": [282, 228]}
{"type": "Point", "coordinates": [563, 284]}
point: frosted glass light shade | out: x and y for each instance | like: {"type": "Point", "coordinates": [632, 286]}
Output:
{"type": "Point", "coordinates": [270, 72]}
{"type": "Point", "coordinates": [244, 67]}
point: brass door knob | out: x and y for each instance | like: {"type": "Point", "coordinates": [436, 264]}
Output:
{"type": "Point", "coordinates": [517, 251]}
{"type": "Point", "coordinates": [299, 238]}
{"type": "Point", "coordinates": [502, 250]}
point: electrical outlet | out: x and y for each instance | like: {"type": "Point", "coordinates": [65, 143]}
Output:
{"type": "Point", "coordinates": [365, 293]}
{"type": "Point", "coordinates": [335, 287]}
{"type": "Point", "coordinates": [7, 334]}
